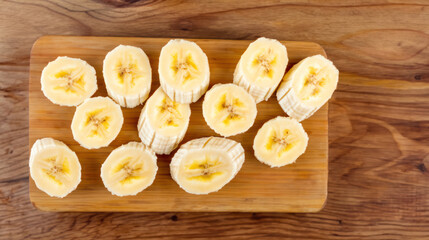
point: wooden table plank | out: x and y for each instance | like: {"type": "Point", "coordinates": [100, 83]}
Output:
{"type": "Point", "coordinates": [378, 179]}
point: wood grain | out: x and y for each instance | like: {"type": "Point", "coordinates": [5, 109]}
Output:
{"type": "Point", "coordinates": [301, 187]}
{"type": "Point", "coordinates": [378, 118]}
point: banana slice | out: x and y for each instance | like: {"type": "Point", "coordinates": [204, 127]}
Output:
{"type": "Point", "coordinates": [163, 122]}
{"type": "Point", "coordinates": [307, 87]}
{"type": "Point", "coordinates": [228, 109]}
{"type": "Point", "coordinates": [205, 165]}
{"type": "Point", "coordinates": [129, 169]}
{"type": "Point", "coordinates": [280, 141]}
{"type": "Point", "coordinates": [261, 68]}
{"type": "Point", "coordinates": [68, 81]}
{"type": "Point", "coordinates": [183, 70]}
{"type": "Point", "coordinates": [128, 75]}
{"type": "Point", "coordinates": [54, 167]}
{"type": "Point", "coordinates": [97, 122]}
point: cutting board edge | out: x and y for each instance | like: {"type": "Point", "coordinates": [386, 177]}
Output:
{"type": "Point", "coordinates": [44, 37]}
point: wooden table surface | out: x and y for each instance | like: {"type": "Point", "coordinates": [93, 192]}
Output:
{"type": "Point", "coordinates": [379, 116]}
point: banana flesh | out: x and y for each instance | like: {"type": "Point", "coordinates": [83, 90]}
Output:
{"type": "Point", "coordinates": [228, 109]}
{"type": "Point", "coordinates": [205, 165]}
{"type": "Point", "coordinates": [183, 70]}
{"type": "Point", "coordinates": [127, 75]}
{"type": "Point", "coordinates": [97, 122]}
{"type": "Point", "coordinates": [129, 169]}
{"type": "Point", "coordinates": [261, 68]}
{"type": "Point", "coordinates": [307, 87]}
{"type": "Point", "coordinates": [54, 167]}
{"type": "Point", "coordinates": [68, 81]}
{"type": "Point", "coordinates": [280, 141]}
{"type": "Point", "coordinates": [163, 122]}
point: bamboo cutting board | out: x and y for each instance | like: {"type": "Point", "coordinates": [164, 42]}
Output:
{"type": "Point", "coordinates": [300, 187]}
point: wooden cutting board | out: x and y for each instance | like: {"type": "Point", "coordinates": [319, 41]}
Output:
{"type": "Point", "coordinates": [300, 187]}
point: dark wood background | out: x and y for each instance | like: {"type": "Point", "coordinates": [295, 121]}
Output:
{"type": "Point", "coordinates": [379, 116]}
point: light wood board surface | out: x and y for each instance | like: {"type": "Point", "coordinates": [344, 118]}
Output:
{"type": "Point", "coordinates": [300, 187]}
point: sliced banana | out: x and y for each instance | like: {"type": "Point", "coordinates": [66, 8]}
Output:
{"type": "Point", "coordinates": [280, 141]}
{"type": "Point", "coordinates": [54, 167]}
{"type": "Point", "coordinates": [97, 122]}
{"type": "Point", "coordinates": [307, 87]}
{"type": "Point", "coordinates": [205, 165]}
{"type": "Point", "coordinates": [68, 81]}
{"type": "Point", "coordinates": [129, 169]}
{"type": "Point", "coordinates": [128, 75]}
{"type": "Point", "coordinates": [183, 70]}
{"type": "Point", "coordinates": [163, 122]}
{"type": "Point", "coordinates": [261, 68]}
{"type": "Point", "coordinates": [228, 109]}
